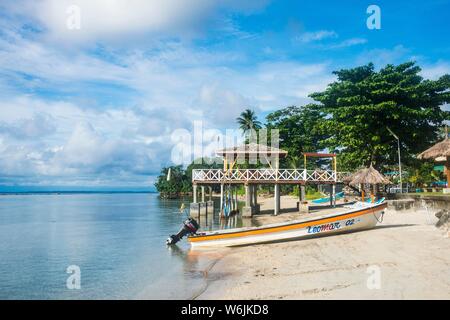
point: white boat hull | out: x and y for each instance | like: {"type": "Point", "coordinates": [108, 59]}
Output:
{"type": "Point", "coordinates": [355, 219]}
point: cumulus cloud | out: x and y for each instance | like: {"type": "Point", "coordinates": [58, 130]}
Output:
{"type": "Point", "coordinates": [81, 143]}
{"type": "Point", "coordinates": [220, 105]}
{"type": "Point", "coordinates": [105, 114]}
{"type": "Point", "coordinates": [90, 20]}
{"type": "Point", "coordinates": [39, 125]}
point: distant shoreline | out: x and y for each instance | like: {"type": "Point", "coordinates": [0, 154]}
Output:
{"type": "Point", "coordinates": [8, 193]}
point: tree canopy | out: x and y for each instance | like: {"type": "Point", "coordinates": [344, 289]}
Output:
{"type": "Point", "coordinates": [298, 131]}
{"type": "Point", "coordinates": [178, 182]}
{"type": "Point", "coordinates": [357, 110]}
{"type": "Point", "coordinates": [351, 117]}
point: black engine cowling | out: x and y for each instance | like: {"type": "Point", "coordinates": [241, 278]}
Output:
{"type": "Point", "coordinates": [190, 226]}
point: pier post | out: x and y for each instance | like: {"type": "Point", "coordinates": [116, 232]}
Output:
{"type": "Point", "coordinates": [210, 193]}
{"type": "Point", "coordinates": [203, 193]}
{"type": "Point", "coordinates": [221, 197]}
{"type": "Point", "coordinates": [194, 210]}
{"type": "Point", "coordinates": [247, 210]}
{"type": "Point", "coordinates": [301, 206]}
{"type": "Point", "coordinates": [248, 200]}
{"type": "Point", "coordinates": [333, 195]}
{"type": "Point", "coordinates": [194, 193]}
{"type": "Point", "coordinates": [210, 207]}
{"type": "Point", "coordinates": [277, 199]}
{"type": "Point", "coordinates": [302, 193]}
{"type": "Point", "coordinates": [256, 206]}
{"type": "Point", "coordinates": [236, 204]}
{"type": "Point", "coordinates": [203, 208]}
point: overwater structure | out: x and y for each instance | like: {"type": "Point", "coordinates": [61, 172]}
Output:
{"type": "Point", "coordinates": [231, 176]}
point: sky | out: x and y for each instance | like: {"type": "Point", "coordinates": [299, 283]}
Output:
{"type": "Point", "coordinates": [92, 92]}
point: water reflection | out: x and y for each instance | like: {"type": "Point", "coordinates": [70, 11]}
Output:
{"type": "Point", "coordinates": [214, 221]}
{"type": "Point", "coordinates": [118, 241]}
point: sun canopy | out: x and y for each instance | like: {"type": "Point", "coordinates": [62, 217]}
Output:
{"type": "Point", "coordinates": [368, 176]}
{"type": "Point", "coordinates": [437, 152]}
{"type": "Point", "coordinates": [440, 152]}
{"type": "Point", "coordinates": [319, 155]}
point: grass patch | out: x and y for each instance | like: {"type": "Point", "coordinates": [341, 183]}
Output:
{"type": "Point", "coordinates": [314, 195]}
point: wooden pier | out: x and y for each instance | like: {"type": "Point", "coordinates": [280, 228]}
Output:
{"type": "Point", "coordinates": [230, 177]}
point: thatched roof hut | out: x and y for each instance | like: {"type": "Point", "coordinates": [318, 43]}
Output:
{"type": "Point", "coordinates": [439, 152]}
{"type": "Point", "coordinates": [368, 176]}
{"type": "Point", "coordinates": [349, 178]}
{"type": "Point", "coordinates": [440, 149]}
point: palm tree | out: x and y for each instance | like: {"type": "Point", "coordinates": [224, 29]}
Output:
{"type": "Point", "coordinates": [248, 121]}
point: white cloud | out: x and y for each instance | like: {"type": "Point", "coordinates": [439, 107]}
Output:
{"type": "Point", "coordinates": [307, 37]}
{"type": "Point", "coordinates": [220, 106]}
{"type": "Point", "coordinates": [171, 77]}
{"type": "Point", "coordinates": [318, 36]}
{"type": "Point", "coordinates": [434, 71]}
{"type": "Point", "coordinates": [133, 141]}
{"type": "Point", "coordinates": [70, 136]}
{"type": "Point", "coordinates": [110, 19]}
{"type": "Point", "coordinates": [39, 125]}
{"type": "Point", "coordinates": [82, 142]}
{"type": "Point", "coordinates": [382, 56]}
{"type": "Point", "coordinates": [348, 43]}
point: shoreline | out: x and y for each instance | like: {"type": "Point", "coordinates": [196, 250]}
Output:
{"type": "Point", "coordinates": [405, 257]}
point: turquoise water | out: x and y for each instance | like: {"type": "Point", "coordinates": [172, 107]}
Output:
{"type": "Point", "coordinates": [117, 241]}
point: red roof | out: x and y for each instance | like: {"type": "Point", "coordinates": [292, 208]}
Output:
{"type": "Point", "coordinates": [319, 155]}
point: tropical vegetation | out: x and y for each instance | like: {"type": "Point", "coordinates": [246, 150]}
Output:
{"type": "Point", "coordinates": [355, 117]}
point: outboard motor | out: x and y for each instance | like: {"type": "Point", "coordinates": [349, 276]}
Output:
{"type": "Point", "coordinates": [190, 226]}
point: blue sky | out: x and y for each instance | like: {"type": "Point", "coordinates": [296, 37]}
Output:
{"type": "Point", "coordinates": [96, 106]}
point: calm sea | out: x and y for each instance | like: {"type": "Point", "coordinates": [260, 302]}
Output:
{"type": "Point", "coordinates": [116, 240]}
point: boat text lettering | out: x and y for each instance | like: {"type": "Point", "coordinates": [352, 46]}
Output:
{"type": "Point", "coordinates": [324, 227]}
{"type": "Point", "coordinates": [350, 222]}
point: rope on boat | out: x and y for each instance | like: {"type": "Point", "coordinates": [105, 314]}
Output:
{"type": "Point", "coordinates": [381, 218]}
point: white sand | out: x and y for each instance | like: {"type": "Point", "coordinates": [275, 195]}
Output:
{"type": "Point", "coordinates": [412, 256]}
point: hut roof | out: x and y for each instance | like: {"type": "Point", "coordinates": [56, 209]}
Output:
{"type": "Point", "coordinates": [440, 149]}
{"type": "Point", "coordinates": [252, 148]}
{"type": "Point", "coordinates": [349, 178]}
{"type": "Point", "coordinates": [368, 176]}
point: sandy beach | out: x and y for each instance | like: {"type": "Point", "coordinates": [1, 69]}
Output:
{"type": "Point", "coordinates": [405, 257]}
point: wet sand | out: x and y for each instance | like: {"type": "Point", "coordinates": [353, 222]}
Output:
{"type": "Point", "coordinates": [405, 257]}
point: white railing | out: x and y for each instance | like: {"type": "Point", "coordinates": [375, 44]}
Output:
{"type": "Point", "coordinates": [267, 175]}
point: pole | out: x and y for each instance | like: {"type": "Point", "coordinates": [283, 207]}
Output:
{"type": "Point", "coordinates": [221, 197]}
{"type": "Point", "coordinates": [276, 199]}
{"type": "Point", "coordinates": [399, 157]}
{"type": "Point", "coordinates": [399, 166]}
{"type": "Point", "coordinates": [194, 193]}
